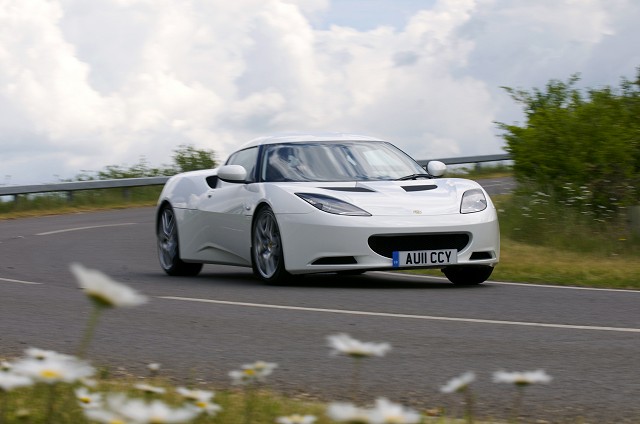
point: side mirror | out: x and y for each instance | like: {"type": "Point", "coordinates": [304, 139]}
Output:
{"type": "Point", "coordinates": [435, 168]}
{"type": "Point", "coordinates": [232, 173]}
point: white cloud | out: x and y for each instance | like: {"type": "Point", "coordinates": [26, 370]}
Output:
{"type": "Point", "coordinates": [89, 84]}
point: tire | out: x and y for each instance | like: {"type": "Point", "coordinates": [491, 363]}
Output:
{"type": "Point", "coordinates": [468, 275]}
{"type": "Point", "coordinates": [267, 258]}
{"type": "Point", "coordinates": [169, 247]}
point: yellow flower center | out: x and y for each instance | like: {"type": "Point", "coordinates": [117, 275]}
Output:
{"type": "Point", "coordinates": [50, 374]}
{"type": "Point", "coordinates": [249, 372]}
{"type": "Point", "coordinates": [85, 399]}
{"type": "Point", "coordinates": [201, 404]}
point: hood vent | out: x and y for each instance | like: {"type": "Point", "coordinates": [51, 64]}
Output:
{"type": "Point", "coordinates": [350, 189]}
{"type": "Point", "coordinates": [420, 187]}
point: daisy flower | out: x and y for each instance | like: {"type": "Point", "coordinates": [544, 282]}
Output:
{"type": "Point", "coordinates": [10, 381]}
{"type": "Point", "coordinates": [521, 378]}
{"type": "Point", "coordinates": [104, 416]}
{"type": "Point", "coordinates": [348, 413]}
{"type": "Point", "coordinates": [103, 290]}
{"type": "Point", "coordinates": [251, 373]}
{"type": "Point", "coordinates": [155, 412]}
{"type": "Point", "coordinates": [459, 384]}
{"type": "Point", "coordinates": [86, 399]}
{"type": "Point", "coordinates": [150, 389]}
{"type": "Point", "coordinates": [387, 412]}
{"type": "Point", "coordinates": [201, 399]}
{"type": "Point", "coordinates": [296, 419]}
{"type": "Point", "coordinates": [346, 345]}
{"type": "Point", "coordinates": [42, 354]}
{"type": "Point", "coordinates": [154, 368]}
{"type": "Point", "coordinates": [54, 370]}
{"type": "Point", "coordinates": [195, 395]}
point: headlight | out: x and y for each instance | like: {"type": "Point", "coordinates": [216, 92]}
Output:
{"type": "Point", "coordinates": [332, 205]}
{"type": "Point", "coordinates": [473, 201]}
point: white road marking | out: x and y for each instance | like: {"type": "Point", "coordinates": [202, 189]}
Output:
{"type": "Point", "coordinates": [392, 315]}
{"type": "Point", "coordinates": [435, 277]}
{"type": "Point", "coordinates": [66, 230]}
{"type": "Point", "coordinates": [9, 280]}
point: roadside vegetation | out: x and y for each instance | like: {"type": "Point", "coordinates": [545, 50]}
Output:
{"type": "Point", "coordinates": [185, 158]}
{"type": "Point", "coordinates": [576, 159]}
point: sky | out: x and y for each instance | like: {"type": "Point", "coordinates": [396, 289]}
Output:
{"type": "Point", "coordinates": [87, 84]}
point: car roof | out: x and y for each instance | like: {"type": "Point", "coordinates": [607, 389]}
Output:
{"type": "Point", "coordinates": [305, 137]}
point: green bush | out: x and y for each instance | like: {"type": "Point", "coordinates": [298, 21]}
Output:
{"type": "Point", "coordinates": [581, 149]}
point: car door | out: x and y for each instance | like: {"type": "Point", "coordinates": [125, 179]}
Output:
{"type": "Point", "coordinates": [226, 212]}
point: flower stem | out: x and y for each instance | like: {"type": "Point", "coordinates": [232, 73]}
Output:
{"type": "Point", "coordinates": [89, 331]}
{"type": "Point", "coordinates": [518, 404]}
{"type": "Point", "coordinates": [51, 404]}
{"type": "Point", "coordinates": [469, 405]}
{"type": "Point", "coordinates": [355, 395]}
{"type": "Point", "coordinates": [3, 407]}
{"type": "Point", "coordinates": [249, 394]}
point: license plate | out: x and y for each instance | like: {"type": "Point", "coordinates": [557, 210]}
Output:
{"type": "Point", "coordinates": [425, 258]}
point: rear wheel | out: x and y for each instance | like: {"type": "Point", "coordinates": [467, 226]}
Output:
{"type": "Point", "coordinates": [468, 275]}
{"type": "Point", "coordinates": [267, 256]}
{"type": "Point", "coordinates": [168, 246]}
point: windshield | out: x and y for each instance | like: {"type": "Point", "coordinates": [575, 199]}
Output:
{"type": "Point", "coordinates": [336, 161]}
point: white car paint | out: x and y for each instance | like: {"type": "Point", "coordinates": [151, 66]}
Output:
{"type": "Point", "coordinates": [215, 224]}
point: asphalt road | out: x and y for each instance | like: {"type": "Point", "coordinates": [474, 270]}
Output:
{"type": "Point", "coordinates": [201, 328]}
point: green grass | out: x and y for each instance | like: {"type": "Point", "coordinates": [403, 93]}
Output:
{"type": "Point", "coordinates": [89, 200]}
{"type": "Point", "coordinates": [521, 262]}
{"type": "Point", "coordinates": [257, 405]}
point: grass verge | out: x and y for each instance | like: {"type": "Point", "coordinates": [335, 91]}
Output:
{"type": "Point", "coordinates": [526, 263]}
{"type": "Point", "coordinates": [522, 262]}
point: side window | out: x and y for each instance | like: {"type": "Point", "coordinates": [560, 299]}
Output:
{"type": "Point", "coordinates": [246, 158]}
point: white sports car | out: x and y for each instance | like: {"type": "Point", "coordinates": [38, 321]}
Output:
{"type": "Point", "coordinates": [291, 205]}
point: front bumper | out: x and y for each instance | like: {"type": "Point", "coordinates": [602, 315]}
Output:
{"type": "Point", "coordinates": [322, 242]}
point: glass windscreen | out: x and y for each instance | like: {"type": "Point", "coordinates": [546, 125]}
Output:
{"type": "Point", "coordinates": [336, 161]}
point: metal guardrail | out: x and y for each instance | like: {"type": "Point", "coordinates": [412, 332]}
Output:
{"type": "Point", "coordinates": [81, 185]}
{"type": "Point", "coordinates": [70, 187]}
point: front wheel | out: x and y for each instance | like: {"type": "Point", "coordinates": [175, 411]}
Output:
{"type": "Point", "coordinates": [267, 256]}
{"type": "Point", "coordinates": [468, 275]}
{"type": "Point", "coordinates": [169, 248]}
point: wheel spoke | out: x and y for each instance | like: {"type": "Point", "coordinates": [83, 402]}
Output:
{"type": "Point", "coordinates": [267, 245]}
{"type": "Point", "coordinates": [167, 238]}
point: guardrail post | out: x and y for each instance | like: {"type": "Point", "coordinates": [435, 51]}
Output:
{"type": "Point", "coordinates": [69, 196]}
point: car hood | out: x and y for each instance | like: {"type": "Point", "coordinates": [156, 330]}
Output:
{"type": "Point", "coordinates": [397, 198]}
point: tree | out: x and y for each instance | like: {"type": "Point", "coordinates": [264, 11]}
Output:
{"type": "Point", "coordinates": [188, 158]}
{"type": "Point", "coordinates": [582, 149]}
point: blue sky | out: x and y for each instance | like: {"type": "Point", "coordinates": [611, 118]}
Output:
{"type": "Point", "coordinates": [86, 84]}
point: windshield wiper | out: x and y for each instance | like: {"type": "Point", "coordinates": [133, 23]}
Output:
{"type": "Point", "coordinates": [413, 177]}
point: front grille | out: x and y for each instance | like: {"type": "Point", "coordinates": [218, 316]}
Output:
{"type": "Point", "coordinates": [385, 245]}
